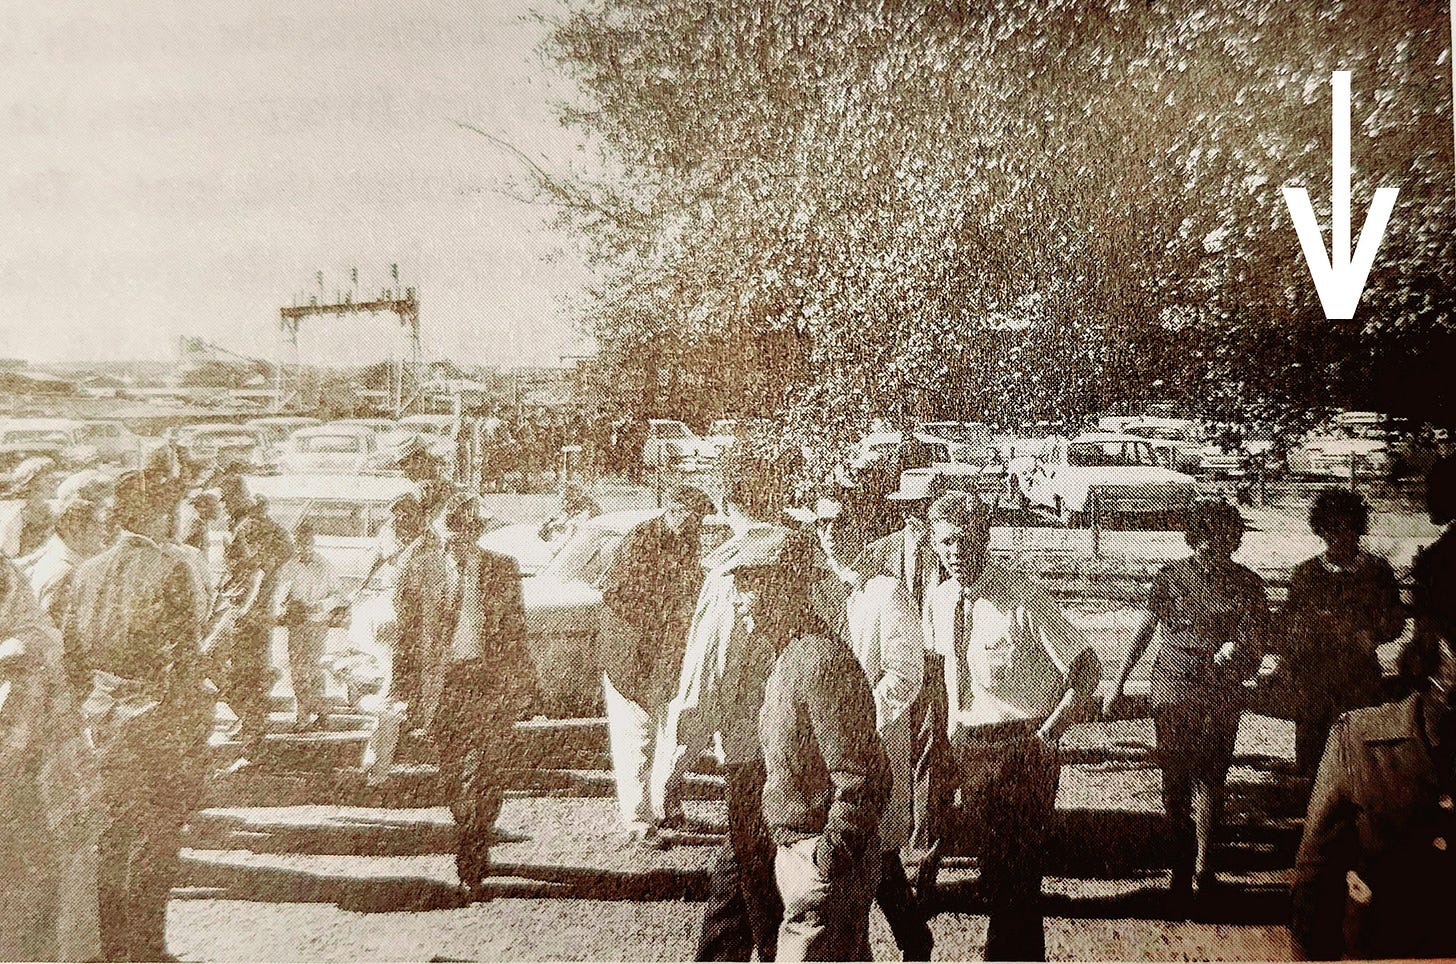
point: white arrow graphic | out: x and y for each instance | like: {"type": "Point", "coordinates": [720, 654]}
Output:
{"type": "Point", "coordinates": [1341, 279]}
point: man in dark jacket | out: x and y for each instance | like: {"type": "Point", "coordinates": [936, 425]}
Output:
{"type": "Point", "coordinates": [132, 622]}
{"type": "Point", "coordinates": [257, 550]}
{"type": "Point", "coordinates": [827, 778]}
{"type": "Point", "coordinates": [489, 682]}
{"type": "Point", "coordinates": [648, 595]}
{"type": "Point", "coordinates": [1376, 871]}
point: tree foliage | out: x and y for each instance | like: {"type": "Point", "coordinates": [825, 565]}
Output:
{"type": "Point", "coordinates": [834, 210]}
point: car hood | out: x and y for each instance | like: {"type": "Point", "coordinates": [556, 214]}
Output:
{"type": "Point", "coordinates": [561, 607]}
{"type": "Point", "coordinates": [1345, 446]}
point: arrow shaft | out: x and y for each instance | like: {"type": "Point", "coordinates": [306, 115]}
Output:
{"type": "Point", "coordinates": [1340, 249]}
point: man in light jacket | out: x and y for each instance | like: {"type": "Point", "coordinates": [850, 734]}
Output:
{"type": "Point", "coordinates": [310, 600]}
{"type": "Point", "coordinates": [886, 635]}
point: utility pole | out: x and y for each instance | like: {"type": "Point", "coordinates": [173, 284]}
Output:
{"type": "Point", "coordinates": [405, 307]}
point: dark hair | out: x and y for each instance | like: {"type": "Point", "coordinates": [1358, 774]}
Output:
{"type": "Point", "coordinates": [142, 495]}
{"type": "Point", "coordinates": [757, 480]}
{"type": "Point", "coordinates": [1207, 516]}
{"type": "Point", "coordinates": [961, 509]}
{"type": "Point", "coordinates": [1332, 506]}
{"type": "Point", "coordinates": [693, 499]}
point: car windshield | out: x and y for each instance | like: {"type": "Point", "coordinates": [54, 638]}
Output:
{"type": "Point", "coordinates": [36, 436]}
{"type": "Point", "coordinates": [224, 437]}
{"type": "Point", "coordinates": [586, 556]}
{"type": "Point", "coordinates": [1110, 454]}
{"type": "Point", "coordinates": [331, 517]}
{"type": "Point", "coordinates": [340, 444]}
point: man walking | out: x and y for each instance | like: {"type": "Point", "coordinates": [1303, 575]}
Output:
{"type": "Point", "coordinates": [132, 623]}
{"type": "Point", "coordinates": [907, 557]}
{"type": "Point", "coordinates": [488, 683]}
{"type": "Point", "coordinates": [258, 549]}
{"type": "Point", "coordinates": [1015, 671]}
{"type": "Point", "coordinates": [310, 601]}
{"type": "Point", "coordinates": [83, 527]}
{"type": "Point", "coordinates": [648, 595]}
{"type": "Point", "coordinates": [826, 775]}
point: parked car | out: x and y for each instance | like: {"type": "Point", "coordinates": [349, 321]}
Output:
{"type": "Point", "coordinates": [277, 428]}
{"type": "Point", "coordinates": [721, 434]}
{"type": "Point", "coordinates": [1238, 451]}
{"type": "Point", "coordinates": [336, 448]}
{"type": "Point", "coordinates": [115, 444]}
{"type": "Point", "coordinates": [1117, 475]}
{"type": "Point", "coordinates": [671, 443]}
{"type": "Point", "coordinates": [1349, 443]}
{"type": "Point", "coordinates": [1178, 442]}
{"type": "Point", "coordinates": [436, 431]}
{"type": "Point", "coordinates": [60, 440]}
{"type": "Point", "coordinates": [224, 445]}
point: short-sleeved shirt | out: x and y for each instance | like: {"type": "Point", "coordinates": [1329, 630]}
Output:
{"type": "Point", "coordinates": [1198, 612]}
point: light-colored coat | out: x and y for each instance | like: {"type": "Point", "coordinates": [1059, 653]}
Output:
{"type": "Point", "coordinates": [886, 636]}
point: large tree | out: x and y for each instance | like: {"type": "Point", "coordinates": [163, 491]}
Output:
{"type": "Point", "coordinates": [832, 210]}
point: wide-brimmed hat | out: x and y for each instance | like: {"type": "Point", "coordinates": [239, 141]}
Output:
{"type": "Point", "coordinates": [86, 487]}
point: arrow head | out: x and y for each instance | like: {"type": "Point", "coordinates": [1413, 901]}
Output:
{"type": "Point", "coordinates": [1339, 281]}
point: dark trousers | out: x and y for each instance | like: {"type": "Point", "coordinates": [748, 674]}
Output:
{"type": "Point", "coordinates": [147, 794]}
{"type": "Point", "coordinates": [247, 677]}
{"type": "Point", "coordinates": [1009, 791]}
{"type": "Point", "coordinates": [743, 910]}
{"type": "Point", "coordinates": [1195, 747]}
{"type": "Point", "coordinates": [902, 910]}
{"type": "Point", "coordinates": [473, 742]}
{"type": "Point", "coordinates": [935, 779]}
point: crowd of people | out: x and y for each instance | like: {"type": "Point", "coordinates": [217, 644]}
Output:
{"type": "Point", "coordinates": [877, 699]}
{"type": "Point", "coordinates": [506, 449]}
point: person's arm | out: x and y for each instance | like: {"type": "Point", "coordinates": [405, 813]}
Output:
{"type": "Point", "coordinates": [1328, 853]}
{"type": "Point", "coordinates": [841, 712]}
{"type": "Point", "coordinates": [175, 631]}
{"type": "Point", "coordinates": [625, 589]}
{"type": "Point", "coordinates": [902, 656]}
{"type": "Point", "coordinates": [1158, 597]}
{"type": "Point", "coordinates": [1041, 622]}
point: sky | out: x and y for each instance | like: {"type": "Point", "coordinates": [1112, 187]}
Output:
{"type": "Point", "coordinates": [186, 167]}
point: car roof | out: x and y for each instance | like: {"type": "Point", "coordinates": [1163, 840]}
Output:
{"type": "Point", "coordinates": [1108, 437]}
{"type": "Point", "coordinates": [216, 426]}
{"type": "Point", "coordinates": [363, 488]}
{"type": "Point", "coordinates": [283, 420]}
{"type": "Point", "coordinates": [427, 420]}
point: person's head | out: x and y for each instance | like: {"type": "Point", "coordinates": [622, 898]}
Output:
{"type": "Point", "coordinates": [416, 462]}
{"type": "Point", "coordinates": [84, 524]}
{"type": "Point", "coordinates": [464, 521]}
{"type": "Point", "coordinates": [960, 530]}
{"type": "Point", "coordinates": [232, 492]}
{"type": "Point", "coordinates": [408, 518]}
{"type": "Point", "coordinates": [303, 539]}
{"type": "Point", "coordinates": [686, 506]}
{"type": "Point", "coordinates": [206, 504]}
{"type": "Point", "coordinates": [1215, 529]}
{"type": "Point", "coordinates": [1441, 490]}
{"type": "Point", "coordinates": [1339, 517]}
{"type": "Point", "coordinates": [146, 503]}
{"type": "Point", "coordinates": [773, 570]}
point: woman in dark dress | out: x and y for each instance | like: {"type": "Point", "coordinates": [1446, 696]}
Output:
{"type": "Point", "coordinates": [1213, 614]}
{"type": "Point", "coordinates": [1343, 603]}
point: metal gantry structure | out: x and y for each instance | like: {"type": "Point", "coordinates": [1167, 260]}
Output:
{"type": "Point", "coordinates": [406, 368]}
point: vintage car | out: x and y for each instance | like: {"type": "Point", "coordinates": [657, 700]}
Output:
{"type": "Point", "coordinates": [1178, 442]}
{"type": "Point", "coordinates": [1350, 443]}
{"type": "Point", "coordinates": [336, 448]}
{"type": "Point", "coordinates": [436, 431]}
{"type": "Point", "coordinates": [224, 445]}
{"type": "Point", "coordinates": [60, 440]}
{"type": "Point", "coordinates": [277, 428]}
{"type": "Point", "coordinates": [671, 443]}
{"type": "Point", "coordinates": [1112, 474]}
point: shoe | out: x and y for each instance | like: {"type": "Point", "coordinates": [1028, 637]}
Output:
{"type": "Point", "coordinates": [1180, 897]}
{"type": "Point", "coordinates": [675, 821]}
{"type": "Point", "coordinates": [648, 838]}
{"type": "Point", "coordinates": [918, 950]}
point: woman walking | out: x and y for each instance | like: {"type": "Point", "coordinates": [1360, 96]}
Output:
{"type": "Point", "coordinates": [1213, 613]}
{"type": "Point", "coordinates": [1343, 603]}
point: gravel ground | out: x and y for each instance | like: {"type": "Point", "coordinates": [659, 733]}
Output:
{"type": "Point", "coordinates": [341, 883]}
